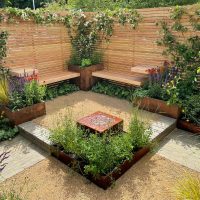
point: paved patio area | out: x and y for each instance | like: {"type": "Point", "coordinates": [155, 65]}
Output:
{"type": "Point", "coordinates": [23, 154]}
{"type": "Point", "coordinates": [151, 178]}
{"type": "Point", "coordinates": [182, 147]}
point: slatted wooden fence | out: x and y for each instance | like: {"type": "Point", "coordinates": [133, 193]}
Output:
{"type": "Point", "coordinates": [47, 47]}
{"type": "Point", "coordinates": [129, 48]}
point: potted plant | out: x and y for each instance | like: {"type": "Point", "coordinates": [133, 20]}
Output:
{"type": "Point", "coordinates": [184, 91]}
{"type": "Point", "coordinates": [153, 96]}
{"type": "Point", "coordinates": [85, 67]}
{"type": "Point", "coordinates": [97, 157]}
{"type": "Point", "coordinates": [22, 98]}
{"type": "Point", "coordinates": [190, 120]}
{"type": "Point", "coordinates": [85, 58]}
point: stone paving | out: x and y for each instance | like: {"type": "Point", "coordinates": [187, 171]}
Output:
{"type": "Point", "coordinates": [182, 147]}
{"type": "Point", "coordinates": [23, 154]}
{"type": "Point", "coordinates": [179, 146]}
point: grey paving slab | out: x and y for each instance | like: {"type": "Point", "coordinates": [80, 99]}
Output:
{"type": "Point", "coordinates": [40, 135]}
{"type": "Point", "coordinates": [162, 127]}
{"type": "Point", "coordinates": [182, 147]}
{"type": "Point", "coordinates": [37, 134]}
{"type": "Point", "coordinates": [23, 154]}
{"type": "Point", "coordinates": [37, 131]}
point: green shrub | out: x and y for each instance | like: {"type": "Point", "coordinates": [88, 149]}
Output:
{"type": "Point", "coordinates": [140, 93]}
{"type": "Point", "coordinates": [182, 87]}
{"type": "Point", "coordinates": [69, 136]}
{"type": "Point", "coordinates": [7, 131]}
{"type": "Point", "coordinates": [191, 108]}
{"type": "Point", "coordinates": [140, 132]}
{"type": "Point", "coordinates": [86, 63]}
{"type": "Point", "coordinates": [94, 5]}
{"type": "Point", "coordinates": [34, 93]}
{"type": "Point", "coordinates": [105, 153]}
{"type": "Point", "coordinates": [59, 90]}
{"type": "Point", "coordinates": [154, 91]}
{"type": "Point", "coordinates": [101, 153]}
{"type": "Point", "coordinates": [30, 93]}
{"type": "Point", "coordinates": [74, 59]}
{"type": "Point", "coordinates": [113, 90]}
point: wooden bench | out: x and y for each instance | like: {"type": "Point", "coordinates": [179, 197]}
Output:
{"type": "Point", "coordinates": [142, 69]}
{"type": "Point", "coordinates": [57, 77]}
{"type": "Point", "coordinates": [122, 77]}
{"type": "Point", "coordinates": [45, 78]}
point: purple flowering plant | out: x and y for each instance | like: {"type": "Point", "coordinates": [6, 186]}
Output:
{"type": "Point", "coordinates": [162, 75]}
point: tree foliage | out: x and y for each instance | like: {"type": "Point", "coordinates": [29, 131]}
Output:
{"type": "Point", "coordinates": [24, 3]}
{"type": "Point", "coordinates": [94, 5]}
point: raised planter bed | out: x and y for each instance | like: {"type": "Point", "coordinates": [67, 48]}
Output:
{"type": "Point", "coordinates": [188, 126]}
{"type": "Point", "coordinates": [103, 181]}
{"type": "Point", "coordinates": [158, 106]}
{"type": "Point", "coordinates": [25, 114]}
{"type": "Point", "coordinates": [86, 80]}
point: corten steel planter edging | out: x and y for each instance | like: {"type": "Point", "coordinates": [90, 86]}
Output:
{"type": "Point", "coordinates": [25, 114]}
{"type": "Point", "coordinates": [158, 106]}
{"type": "Point", "coordinates": [188, 126]}
{"type": "Point", "coordinates": [104, 181]}
{"type": "Point", "coordinates": [86, 81]}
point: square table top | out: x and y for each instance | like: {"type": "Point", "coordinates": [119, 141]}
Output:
{"type": "Point", "coordinates": [99, 121]}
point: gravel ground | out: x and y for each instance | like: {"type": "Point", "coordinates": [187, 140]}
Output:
{"type": "Point", "coordinates": [81, 104]}
{"type": "Point", "coordinates": [152, 178]}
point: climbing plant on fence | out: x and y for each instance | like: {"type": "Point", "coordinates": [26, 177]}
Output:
{"type": "Point", "coordinates": [185, 54]}
{"type": "Point", "coordinates": [85, 30]}
{"type": "Point", "coordinates": [3, 48]}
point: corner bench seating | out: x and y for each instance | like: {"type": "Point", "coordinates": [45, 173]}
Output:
{"type": "Point", "coordinates": [141, 69]}
{"type": "Point", "coordinates": [133, 79]}
{"type": "Point", "coordinates": [57, 77]}
{"type": "Point", "coordinates": [46, 77]}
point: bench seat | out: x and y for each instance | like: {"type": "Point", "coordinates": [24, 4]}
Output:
{"type": "Point", "coordinates": [122, 77]}
{"type": "Point", "coordinates": [58, 76]}
{"type": "Point", "coordinates": [141, 69]}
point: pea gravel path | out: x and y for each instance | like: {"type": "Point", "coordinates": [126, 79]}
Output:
{"type": "Point", "coordinates": [152, 178]}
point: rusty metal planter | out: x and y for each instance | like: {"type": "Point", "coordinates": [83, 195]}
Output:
{"type": "Point", "coordinates": [188, 126]}
{"type": "Point", "coordinates": [25, 114]}
{"type": "Point", "coordinates": [86, 80]}
{"type": "Point", "coordinates": [103, 181]}
{"type": "Point", "coordinates": [158, 106]}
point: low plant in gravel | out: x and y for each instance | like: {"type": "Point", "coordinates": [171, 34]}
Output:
{"type": "Point", "coordinates": [188, 187]}
{"type": "Point", "coordinates": [10, 196]}
{"type": "Point", "coordinates": [140, 132]}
